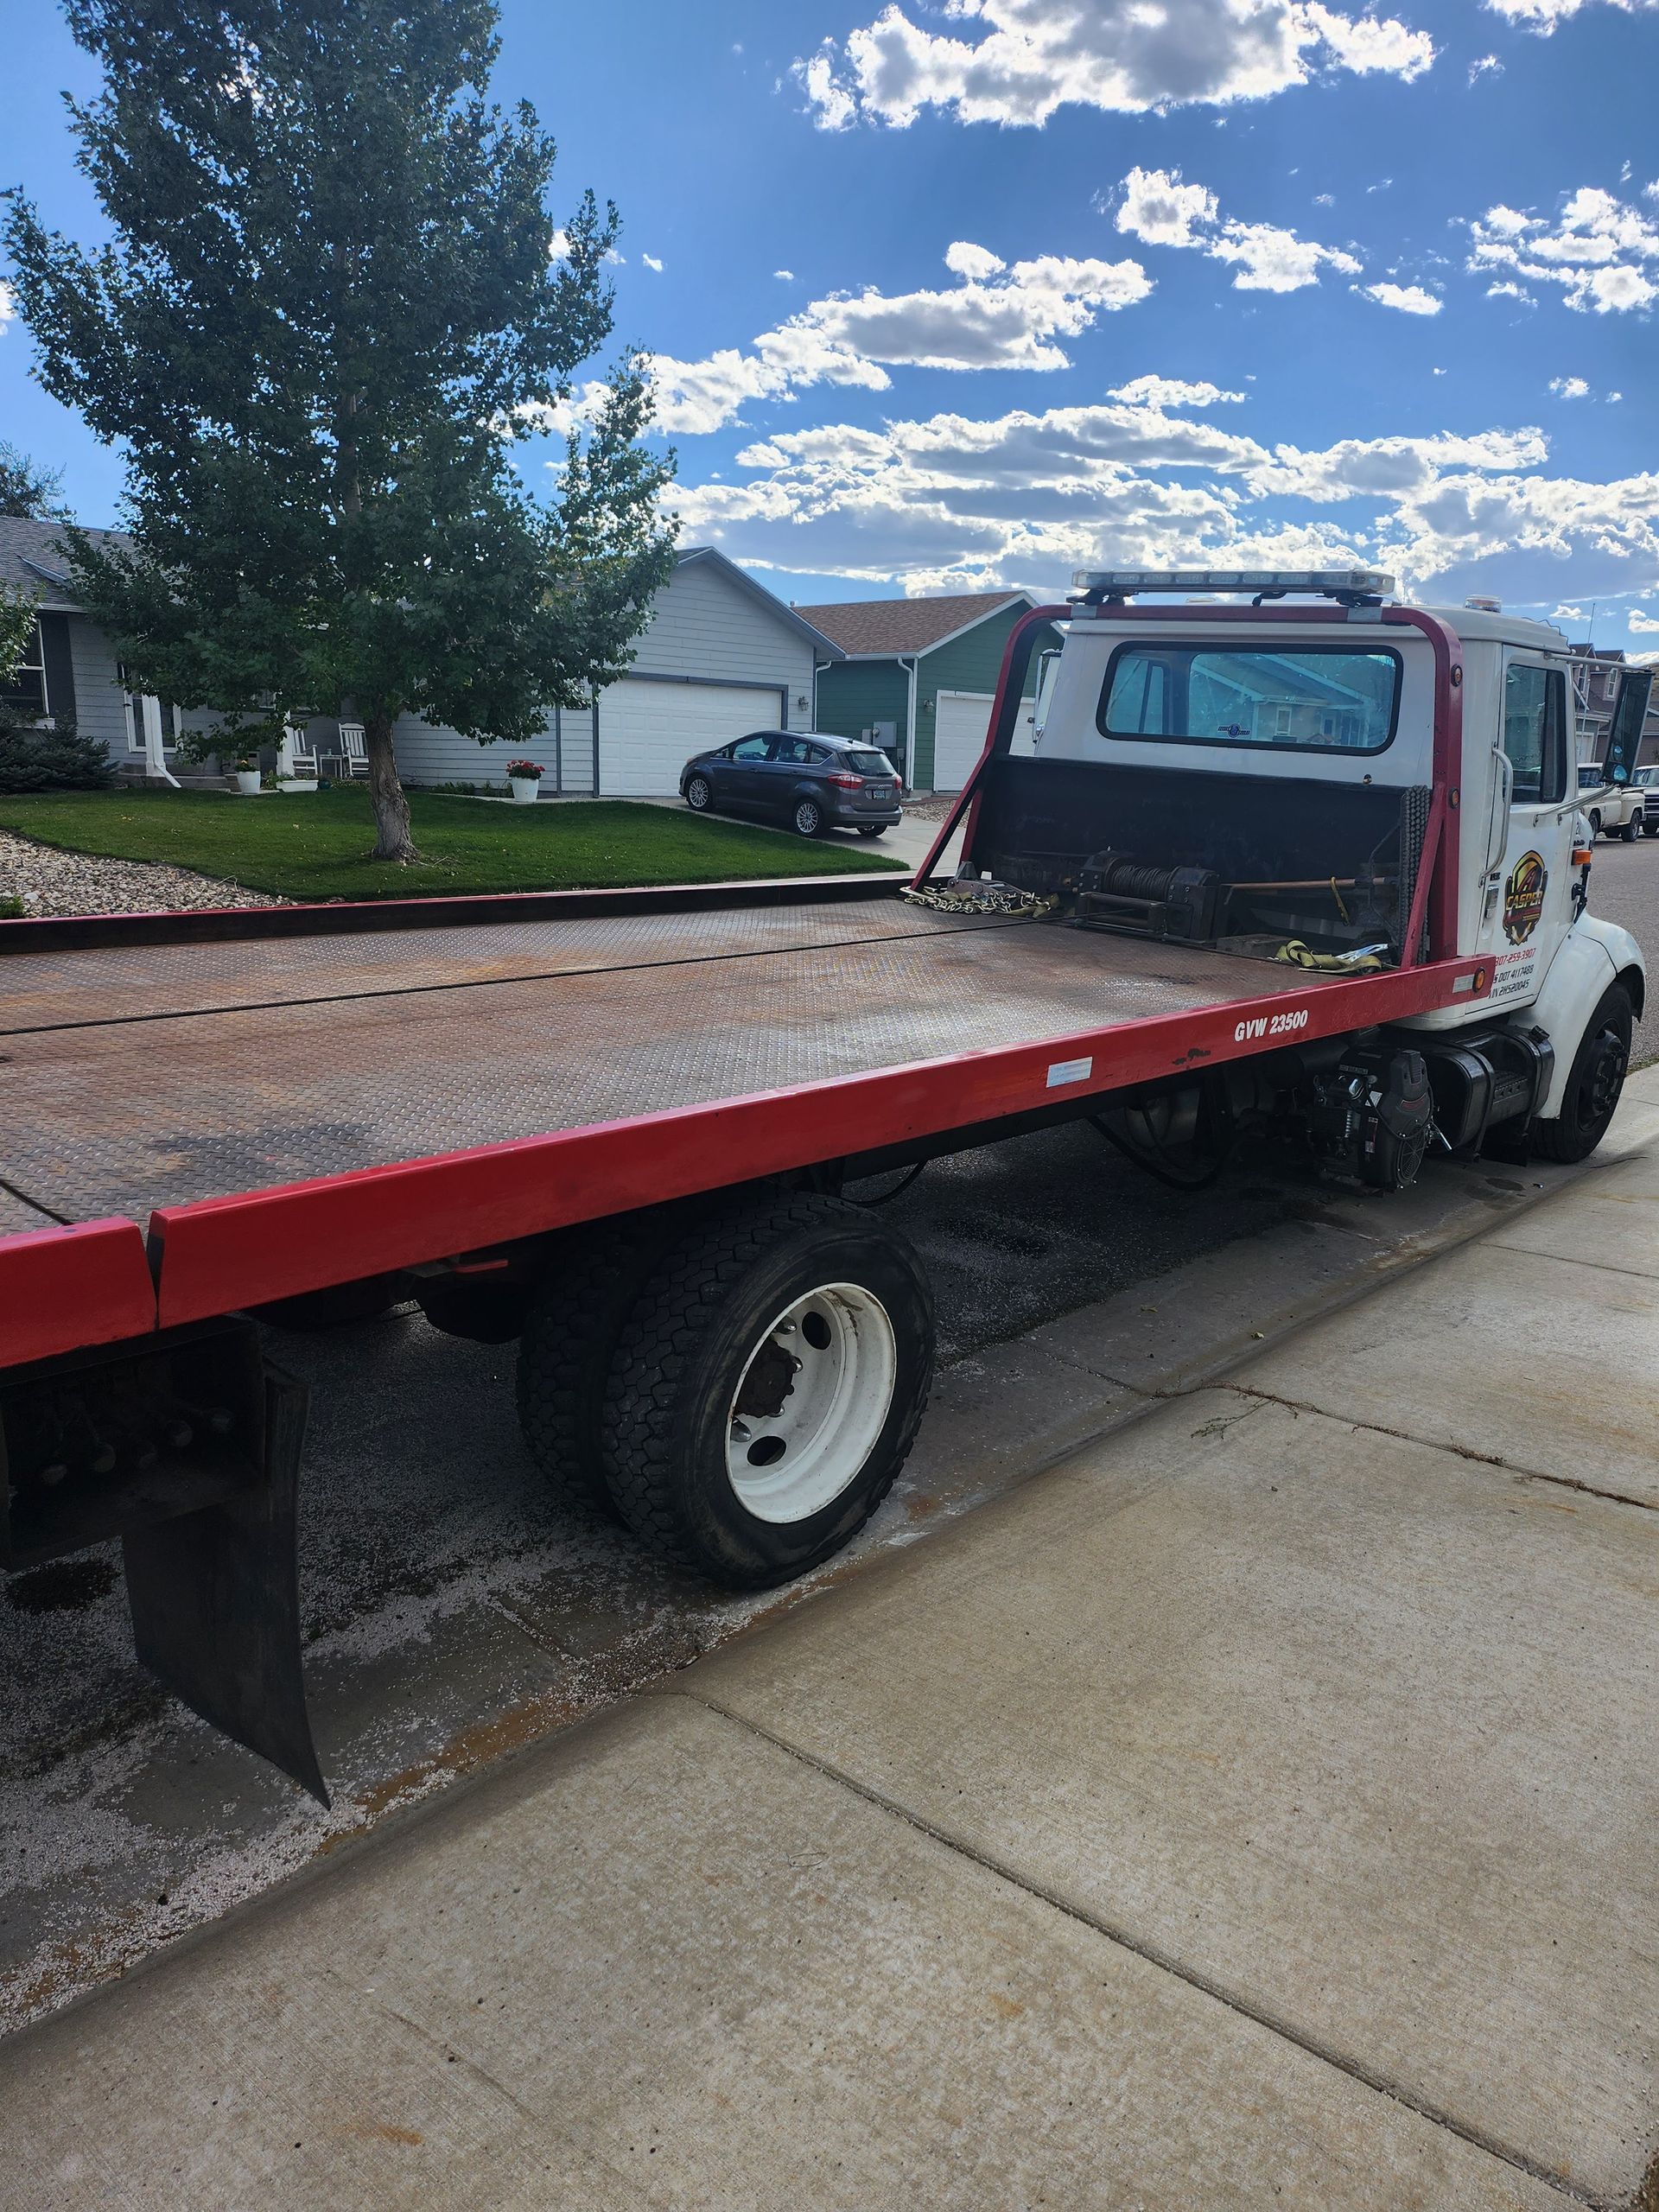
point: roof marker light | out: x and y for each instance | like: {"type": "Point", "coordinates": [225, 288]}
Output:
{"type": "Point", "coordinates": [1120, 583]}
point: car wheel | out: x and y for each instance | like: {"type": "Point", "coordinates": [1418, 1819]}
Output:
{"type": "Point", "coordinates": [872, 829]}
{"type": "Point", "coordinates": [808, 818]}
{"type": "Point", "coordinates": [1595, 828]}
{"type": "Point", "coordinates": [699, 794]}
{"type": "Point", "coordinates": [1593, 1084]}
{"type": "Point", "coordinates": [768, 1387]}
{"type": "Point", "coordinates": [1630, 831]}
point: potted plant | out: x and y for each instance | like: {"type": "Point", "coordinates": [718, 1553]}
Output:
{"type": "Point", "coordinates": [524, 781]}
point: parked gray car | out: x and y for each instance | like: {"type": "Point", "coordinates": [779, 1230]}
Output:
{"type": "Point", "coordinates": [814, 783]}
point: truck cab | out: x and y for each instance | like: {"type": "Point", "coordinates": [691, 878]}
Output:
{"type": "Point", "coordinates": [1350, 783]}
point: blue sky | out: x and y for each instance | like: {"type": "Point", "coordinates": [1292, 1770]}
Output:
{"type": "Point", "coordinates": [947, 297]}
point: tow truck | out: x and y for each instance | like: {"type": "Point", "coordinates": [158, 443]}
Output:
{"type": "Point", "coordinates": [1311, 865]}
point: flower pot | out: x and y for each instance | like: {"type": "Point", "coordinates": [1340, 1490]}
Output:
{"type": "Point", "coordinates": [297, 782]}
{"type": "Point", "coordinates": [247, 782]}
{"type": "Point", "coordinates": [525, 789]}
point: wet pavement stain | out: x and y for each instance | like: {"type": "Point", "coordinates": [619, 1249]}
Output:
{"type": "Point", "coordinates": [69, 1585]}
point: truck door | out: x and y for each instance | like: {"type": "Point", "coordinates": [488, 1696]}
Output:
{"type": "Point", "coordinates": [1526, 906]}
{"type": "Point", "coordinates": [1631, 698]}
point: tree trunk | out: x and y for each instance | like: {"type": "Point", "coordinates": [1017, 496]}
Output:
{"type": "Point", "coordinates": [392, 840]}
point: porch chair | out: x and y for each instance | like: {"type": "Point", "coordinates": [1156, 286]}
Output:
{"type": "Point", "coordinates": [296, 755]}
{"type": "Point", "coordinates": [353, 755]}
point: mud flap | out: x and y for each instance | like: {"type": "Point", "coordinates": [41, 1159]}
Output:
{"type": "Point", "coordinates": [215, 1598]}
{"type": "Point", "coordinates": [187, 1446]}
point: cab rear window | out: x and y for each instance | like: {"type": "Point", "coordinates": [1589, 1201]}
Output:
{"type": "Point", "coordinates": [1306, 699]}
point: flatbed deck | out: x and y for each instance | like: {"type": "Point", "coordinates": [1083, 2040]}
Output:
{"type": "Point", "coordinates": [242, 1104]}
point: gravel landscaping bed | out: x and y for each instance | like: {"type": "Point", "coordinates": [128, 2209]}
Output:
{"type": "Point", "coordinates": [52, 882]}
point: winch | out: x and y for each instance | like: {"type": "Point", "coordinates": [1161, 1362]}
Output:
{"type": "Point", "coordinates": [1116, 892]}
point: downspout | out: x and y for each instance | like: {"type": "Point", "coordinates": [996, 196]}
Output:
{"type": "Point", "coordinates": [910, 724]}
{"type": "Point", "coordinates": [558, 751]}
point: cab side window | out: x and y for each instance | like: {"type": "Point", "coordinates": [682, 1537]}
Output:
{"type": "Point", "coordinates": [1535, 732]}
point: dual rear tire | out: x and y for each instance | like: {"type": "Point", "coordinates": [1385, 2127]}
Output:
{"type": "Point", "coordinates": [742, 1397]}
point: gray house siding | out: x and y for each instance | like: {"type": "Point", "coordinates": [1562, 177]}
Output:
{"type": "Point", "coordinates": [704, 627]}
{"type": "Point", "coordinates": [100, 712]}
{"type": "Point", "coordinates": [703, 624]}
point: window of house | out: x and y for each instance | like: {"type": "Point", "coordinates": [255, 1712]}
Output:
{"type": "Point", "coordinates": [1535, 732]}
{"type": "Point", "coordinates": [26, 691]}
{"type": "Point", "coordinates": [1303, 699]}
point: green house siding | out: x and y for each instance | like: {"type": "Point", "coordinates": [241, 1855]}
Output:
{"type": "Point", "coordinates": [972, 662]}
{"type": "Point", "coordinates": [854, 694]}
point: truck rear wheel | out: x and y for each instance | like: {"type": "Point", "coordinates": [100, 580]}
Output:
{"type": "Point", "coordinates": [1593, 1083]}
{"type": "Point", "coordinates": [767, 1387]}
{"type": "Point", "coordinates": [570, 1332]}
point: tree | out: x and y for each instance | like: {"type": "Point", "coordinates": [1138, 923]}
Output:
{"type": "Point", "coordinates": [29, 492]}
{"type": "Point", "coordinates": [333, 300]}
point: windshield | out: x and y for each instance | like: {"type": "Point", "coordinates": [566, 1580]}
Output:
{"type": "Point", "coordinates": [1311, 699]}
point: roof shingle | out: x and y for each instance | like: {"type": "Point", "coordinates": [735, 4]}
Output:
{"type": "Point", "coordinates": [906, 625]}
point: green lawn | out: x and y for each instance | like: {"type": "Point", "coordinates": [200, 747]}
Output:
{"type": "Point", "coordinates": [316, 846]}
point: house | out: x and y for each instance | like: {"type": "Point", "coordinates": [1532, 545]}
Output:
{"type": "Point", "coordinates": [918, 676]}
{"type": "Point", "coordinates": [719, 656]}
{"type": "Point", "coordinates": [69, 672]}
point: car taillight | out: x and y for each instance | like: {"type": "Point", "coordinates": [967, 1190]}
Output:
{"type": "Point", "coordinates": [848, 782]}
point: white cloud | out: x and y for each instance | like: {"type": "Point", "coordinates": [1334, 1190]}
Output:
{"type": "Point", "coordinates": [1171, 392]}
{"type": "Point", "coordinates": [1487, 65]}
{"type": "Point", "coordinates": [651, 262]}
{"type": "Point", "coordinates": [1644, 625]}
{"type": "Point", "coordinates": [1542, 16]}
{"type": "Point", "coordinates": [785, 275]}
{"type": "Point", "coordinates": [1410, 299]}
{"type": "Point", "coordinates": [996, 317]}
{"type": "Point", "coordinates": [1603, 251]}
{"type": "Point", "coordinates": [952, 500]}
{"type": "Point", "coordinates": [1508, 291]}
{"type": "Point", "coordinates": [1569, 387]}
{"type": "Point", "coordinates": [1568, 615]}
{"type": "Point", "coordinates": [1158, 207]}
{"type": "Point", "coordinates": [834, 106]}
{"type": "Point", "coordinates": [8, 303]}
{"type": "Point", "coordinates": [1123, 56]}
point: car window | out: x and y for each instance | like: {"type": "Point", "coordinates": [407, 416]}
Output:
{"type": "Point", "coordinates": [870, 764]}
{"type": "Point", "coordinates": [1535, 732]}
{"type": "Point", "coordinates": [751, 748]}
{"type": "Point", "coordinates": [795, 752]}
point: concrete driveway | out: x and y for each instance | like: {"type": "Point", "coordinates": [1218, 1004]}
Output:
{"type": "Point", "coordinates": [1257, 1808]}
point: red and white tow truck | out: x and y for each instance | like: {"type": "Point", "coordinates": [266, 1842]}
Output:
{"type": "Point", "coordinates": [1311, 862]}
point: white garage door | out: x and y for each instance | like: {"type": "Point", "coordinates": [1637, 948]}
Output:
{"type": "Point", "coordinates": [960, 721]}
{"type": "Point", "coordinates": [647, 732]}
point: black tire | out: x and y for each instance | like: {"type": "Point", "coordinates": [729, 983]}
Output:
{"type": "Point", "coordinates": [570, 1332]}
{"type": "Point", "coordinates": [872, 829]}
{"type": "Point", "coordinates": [699, 794]}
{"type": "Point", "coordinates": [1595, 826]}
{"type": "Point", "coordinates": [808, 818]}
{"type": "Point", "coordinates": [687, 1349]}
{"type": "Point", "coordinates": [1629, 831]}
{"type": "Point", "coordinates": [1593, 1082]}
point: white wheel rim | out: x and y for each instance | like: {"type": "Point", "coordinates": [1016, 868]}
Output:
{"type": "Point", "coordinates": [806, 817]}
{"type": "Point", "coordinates": [698, 793]}
{"type": "Point", "coordinates": [798, 1436]}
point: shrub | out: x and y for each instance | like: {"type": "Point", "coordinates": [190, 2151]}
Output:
{"type": "Point", "coordinates": [51, 760]}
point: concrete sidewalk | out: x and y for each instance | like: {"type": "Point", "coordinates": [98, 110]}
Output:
{"type": "Point", "coordinates": [1259, 1807]}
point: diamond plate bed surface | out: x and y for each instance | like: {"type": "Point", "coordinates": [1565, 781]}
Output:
{"type": "Point", "coordinates": [121, 1118]}
{"type": "Point", "coordinates": [48, 990]}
